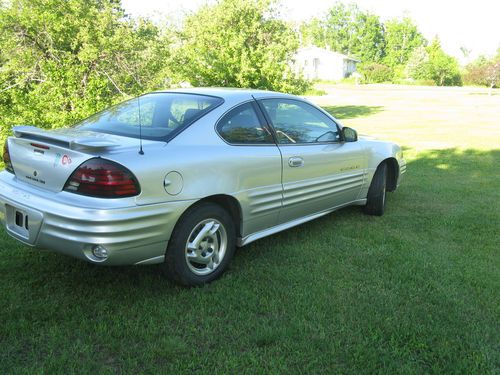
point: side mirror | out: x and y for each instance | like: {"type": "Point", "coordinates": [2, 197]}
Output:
{"type": "Point", "coordinates": [349, 135]}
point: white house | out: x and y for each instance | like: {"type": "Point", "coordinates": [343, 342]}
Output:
{"type": "Point", "coordinates": [321, 63]}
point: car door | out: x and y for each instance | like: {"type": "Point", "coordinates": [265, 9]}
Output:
{"type": "Point", "coordinates": [319, 171]}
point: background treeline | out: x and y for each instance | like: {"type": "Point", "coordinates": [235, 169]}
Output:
{"type": "Point", "coordinates": [394, 51]}
{"type": "Point", "coordinates": [62, 60]}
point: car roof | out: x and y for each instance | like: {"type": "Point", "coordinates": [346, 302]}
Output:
{"type": "Point", "coordinates": [230, 93]}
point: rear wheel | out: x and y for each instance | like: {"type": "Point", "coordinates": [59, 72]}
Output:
{"type": "Point", "coordinates": [201, 245]}
{"type": "Point", "coordinates": [377, 192]}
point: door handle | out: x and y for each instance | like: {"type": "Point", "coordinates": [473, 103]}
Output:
{"type": "Point", "coordinates": [295, 161]}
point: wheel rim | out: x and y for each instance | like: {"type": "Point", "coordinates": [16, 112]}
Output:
{"type": "Point", "coordinates": [206, 247]}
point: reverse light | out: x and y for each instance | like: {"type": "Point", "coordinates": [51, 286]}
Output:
{"type": "Point", "coordinates": [102, 178]}
{"type": "Point", "coordinates": [6, 158]}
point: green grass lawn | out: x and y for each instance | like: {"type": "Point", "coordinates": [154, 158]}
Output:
{"type": "Point", "coordinates": [414, 291]}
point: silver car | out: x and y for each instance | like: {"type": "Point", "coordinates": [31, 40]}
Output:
{"type": "Point", "coordinates": [182, 177]}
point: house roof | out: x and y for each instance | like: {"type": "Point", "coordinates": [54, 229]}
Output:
{"type": "Point", "coordinates": [314, 50]}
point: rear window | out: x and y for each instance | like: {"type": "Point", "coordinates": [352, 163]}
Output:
{"type": "Point", "coordinates": [160, 115]}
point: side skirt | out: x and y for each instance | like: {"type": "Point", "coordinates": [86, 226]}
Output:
{"type": "Point", "coordinates": [278, 228]}
{"type": "Point", "coordinates": [147, 262]}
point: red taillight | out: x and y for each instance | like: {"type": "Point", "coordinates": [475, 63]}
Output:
{"type": "Point", "coordinates": [103, 179]}
{"type": "Point", "coordinates": [6, 158]}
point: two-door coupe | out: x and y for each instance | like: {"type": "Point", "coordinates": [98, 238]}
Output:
{"type": "Point", "coordinates": [182, 177]}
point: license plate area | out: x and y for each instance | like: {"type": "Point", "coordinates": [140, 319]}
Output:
{"type": "Point", "coordinates": [23, 224]}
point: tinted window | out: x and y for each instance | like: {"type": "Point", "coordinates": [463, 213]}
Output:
{"type": "Point", "coordinates": [160, 115]}
{"type": "Point", "coordinates": [299, 122]}
{"type": "Point", "coordinates": [242, 125]}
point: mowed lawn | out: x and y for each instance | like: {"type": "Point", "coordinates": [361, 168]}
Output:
{"type": "Point", "coordinates": [414, 291]}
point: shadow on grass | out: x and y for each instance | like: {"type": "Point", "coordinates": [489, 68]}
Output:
{"type": "Point", "coordinates": [352, 111]}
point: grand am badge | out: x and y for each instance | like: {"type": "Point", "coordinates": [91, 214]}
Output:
{"type": "Point", "coordinates": [35, 179]}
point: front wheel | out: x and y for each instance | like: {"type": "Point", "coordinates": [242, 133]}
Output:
{"type": "Point", "coordinates": [375, 203]}
{"type": "Point", "coordinates": [201, 245]}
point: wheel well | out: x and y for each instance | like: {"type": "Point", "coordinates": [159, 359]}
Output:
{"type": "Point", "coordinates": [231, 205]}
{"type": "Point", "coordinates": [392, 173]}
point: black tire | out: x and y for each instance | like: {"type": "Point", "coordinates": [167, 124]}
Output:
{"type": "Point", "coordinates": [377, 192]}
{"type": "Point", "coordinates": [177, 267]}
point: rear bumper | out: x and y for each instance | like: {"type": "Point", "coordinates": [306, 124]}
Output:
{"type": "Point", "coordinates": [131, 235]}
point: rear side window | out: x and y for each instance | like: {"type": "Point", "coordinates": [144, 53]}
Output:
{"type": "Point", "coordinates": [160, 115]}
{"type": "Point", "coordinates": [242, 125]}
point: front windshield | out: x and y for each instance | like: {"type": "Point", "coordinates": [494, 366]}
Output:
{"type": "Point", "coordinates": [161, 115]}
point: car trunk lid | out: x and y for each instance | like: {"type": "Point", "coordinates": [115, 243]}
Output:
{"type": "Point", "coordinates": [47, 158]}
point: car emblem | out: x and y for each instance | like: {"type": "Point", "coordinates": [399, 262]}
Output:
{"type": "Point", "coordinates": [35, 173]}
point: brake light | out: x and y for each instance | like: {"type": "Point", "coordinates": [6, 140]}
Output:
{"type": "Point", "coordinates": [6, 158]}
{"type": "Point", "coordinates": [38, 145]}
{"type": "Point", "coordinates": [103, 179]}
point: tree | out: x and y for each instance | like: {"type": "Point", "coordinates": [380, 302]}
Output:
{"type": "Point", "coordinates": [442, 68]}
{"type": "Point", "coordinates": [432, 63]}
{"type": "Point", "coordinates": [484, 72]}
{"type": "Point", "coordinates": [62, 60]}
{"type": "Point", "coordinates": [241, 44]}
{"type": "Point", "coordinates": [371, 39]}
{"type": "Point", "coordinates": [418, 64]}
{"type": "Point", "coordinates": [402, 37]}
{"type": "Point", "coordinates": [349, 30]}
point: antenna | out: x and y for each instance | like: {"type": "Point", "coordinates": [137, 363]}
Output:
{"type": "Point", "coordinates": [141, 152]}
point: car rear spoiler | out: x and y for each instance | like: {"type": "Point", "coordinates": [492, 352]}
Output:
{"type": "Point", "coordinates": [78, 142]}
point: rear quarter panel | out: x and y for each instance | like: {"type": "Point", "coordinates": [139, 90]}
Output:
{"type": "Point", "coordinates": [208, 166]}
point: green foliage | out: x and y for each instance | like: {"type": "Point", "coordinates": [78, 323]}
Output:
{"type": "Point", "coordinates": [442, 68]}
{"type": "Point", "coordinates": [62, 60]}
{"type": "Point", "coordinates": [65, 59]}
{"type": "Point", "coordinates": [313, 91]}
{"type": "Point", "coordinates": [432, 63]}
{"type": "Point", "coordinates": [349, 30]}
{"type": "Point", "coordinates": [402, 37]}
{"type": "Point", "coordinates": [418, 64]}
{"type": "Point", "coordinates": [376, 73]}
{"type": "Point", "coordinates": [414, 82]}
{"type": "Point", "coordinates": [240, 44]}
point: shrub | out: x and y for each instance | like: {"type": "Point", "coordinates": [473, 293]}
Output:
{"type": "Point", "coordinates": [415, 82]}
{"type": "Point", "coordinates": [483, 72]}
{"type": "Point", "coordinates": [315, 92]}
{"type": "Point", "coordinates": [376, 73]}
